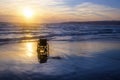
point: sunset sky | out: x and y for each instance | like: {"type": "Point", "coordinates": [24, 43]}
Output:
{"type": "Point", "coordinates": [59, 10]}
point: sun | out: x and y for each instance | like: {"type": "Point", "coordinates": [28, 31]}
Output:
{"type": "Point", "coordinates": [28, 13]}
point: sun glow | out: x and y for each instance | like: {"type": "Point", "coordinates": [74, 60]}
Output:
{"type": "Point", "coordinates": [28, 13]}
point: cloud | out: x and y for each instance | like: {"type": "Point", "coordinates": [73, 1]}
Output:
{"type": "Point", "coordinates": [86, 11]}
{"type": "Point", "coordinates": [58, 10]}
{"type": "Point", "coordinates": [97, 11]}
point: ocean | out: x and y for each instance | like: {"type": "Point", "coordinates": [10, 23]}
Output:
{"type": "Point", "coordinates": [85, 51]}
{"type": "Point", "coordinates": [57, 32]}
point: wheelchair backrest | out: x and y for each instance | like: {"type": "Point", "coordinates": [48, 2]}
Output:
{"type": "Point", "coordinates": [43, 42]}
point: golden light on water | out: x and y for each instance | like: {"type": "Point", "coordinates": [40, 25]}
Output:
{"type": "Point", "coordinates": [30, 49]}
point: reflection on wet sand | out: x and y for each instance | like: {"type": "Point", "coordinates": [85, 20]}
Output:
{"type": "Point", "coordinates": [30, 47]}
{"type": "Point", "coordinates": [27, 53]}
{"type": "Point", "coordinates": [84, 48]}
{"type": "Point", "coordinates": [18, 53]}
{"type": "Point", "coordinates": [22, 58]}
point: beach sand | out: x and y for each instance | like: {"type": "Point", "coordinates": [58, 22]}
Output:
{"type": "Point", "coordinates": [82, 60]}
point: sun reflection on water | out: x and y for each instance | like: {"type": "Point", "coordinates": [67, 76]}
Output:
{"type": "Point", "coordinates": [30, 49]}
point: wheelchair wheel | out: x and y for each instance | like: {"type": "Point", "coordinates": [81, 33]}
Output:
{"type": "Point", "coordinates": [43, 59]}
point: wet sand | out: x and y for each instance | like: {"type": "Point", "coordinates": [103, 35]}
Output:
{"type": "Point", "coordinates": [83, 60]}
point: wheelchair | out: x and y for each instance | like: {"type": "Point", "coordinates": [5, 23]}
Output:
{"type": "Point", "coordinates": [42, 50]}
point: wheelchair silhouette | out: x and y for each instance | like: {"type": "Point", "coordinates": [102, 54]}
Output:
{"type": "Point", "coordinates": [42, 50]}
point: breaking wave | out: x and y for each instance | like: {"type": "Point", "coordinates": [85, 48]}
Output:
{"type": "Point", "coordinates": [57, 32]}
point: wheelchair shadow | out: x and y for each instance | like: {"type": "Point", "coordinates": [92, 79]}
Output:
{"type": "Point", "coordinates": [55, 57]}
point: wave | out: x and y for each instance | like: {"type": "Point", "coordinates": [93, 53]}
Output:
{"type": "Point", "coordinates": [58, 32]}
